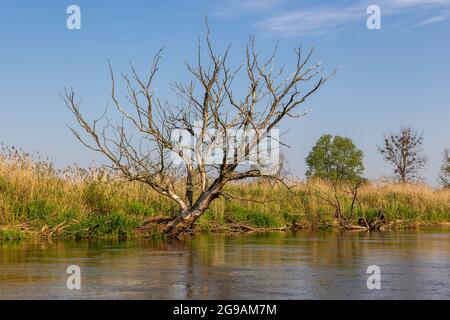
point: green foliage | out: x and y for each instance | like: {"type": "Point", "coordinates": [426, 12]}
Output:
{"type": "Point", "coordinates": [116, 224]}
{"type": "Point", "coordinates": [255, 218]}
{"type": "Point", "coordinates": [335, 159]}
{"type": "Point", "coordinates": [63, 216]}
{"type": "Point", "coordinates": [97, 199]}
{"type": "Point", "coordinates": [140, 208]}
{"type": "Point", "coordinates": [11, 235]}
{"type": "Point", "coordinates": [38, 210]}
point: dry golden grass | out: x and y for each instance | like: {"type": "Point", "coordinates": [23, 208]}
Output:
{"type": "Point", "coordinates": [78, 202]}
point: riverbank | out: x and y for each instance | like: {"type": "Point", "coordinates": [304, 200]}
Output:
{"type": "Point", "coordinates": [38, 201]}
{"type": "Point", "coordinates": [147, 229]}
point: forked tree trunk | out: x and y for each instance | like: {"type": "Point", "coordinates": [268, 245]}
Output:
{"type": "Point", "coordinates": [186, 218]}
{"type": "Point", "coordinates": [182, 223]}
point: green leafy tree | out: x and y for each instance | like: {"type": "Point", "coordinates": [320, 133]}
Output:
{"type": "Point", "coordinates": [339, 162]}
{"type": "Point", "coordinates": [335, 159]}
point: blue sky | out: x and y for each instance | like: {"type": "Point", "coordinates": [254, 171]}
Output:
{"type": "Point", "coordinates": [399, 75]}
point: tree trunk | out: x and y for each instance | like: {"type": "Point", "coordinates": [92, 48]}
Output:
{"type": "Point", "coordinates": [182, 223]}
{"type": "Point", "coordinates": [187, 217]}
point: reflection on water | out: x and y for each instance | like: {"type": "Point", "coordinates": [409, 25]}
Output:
{"type": "Point", "coordinates": [305, 265]}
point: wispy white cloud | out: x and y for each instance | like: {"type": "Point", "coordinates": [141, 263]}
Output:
{"type": "Point", "coordinates": [432, 20]}
{"type": "Point", "coordinates": [322, 18]}
{"type": "Point", "coordinates": [311, 20]}
{"type": "Point", "coordinates": [407, 3]}
{"type": "Point", "coordinates": [233, 8]}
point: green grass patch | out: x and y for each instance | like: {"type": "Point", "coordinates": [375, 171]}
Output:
{"type": "Point", "coordinates": [251, 216]}
{"type": "Point", "coordinates": [113, 225]}
{"type": "Point", "coordinates": [140, 208]}
{"type": "Point", "coordinates": [98, 200]}
{"type": "Point", "coordinates": [12, 235]}
{"type": "Point", "coordinates": [38, 210]}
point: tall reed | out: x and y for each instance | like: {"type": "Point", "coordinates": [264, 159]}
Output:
{"type": "Point", "coordinates": [35, 197]}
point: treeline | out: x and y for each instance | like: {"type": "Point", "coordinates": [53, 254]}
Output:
{"type": "Point", "coordinates": [338, 159]}
{"type": "Point", "coordinates": [338, 163]}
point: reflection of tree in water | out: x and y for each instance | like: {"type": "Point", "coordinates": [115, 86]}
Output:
{"type": "Point", "coordinates": [318, 264]}
{"type": "Point", "coordinates": [277, 265]}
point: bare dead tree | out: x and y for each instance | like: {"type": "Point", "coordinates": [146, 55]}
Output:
{"type": "Point", "coordinates": [404, 151]}
{"type": "Point", "coordinates": [142, 146]}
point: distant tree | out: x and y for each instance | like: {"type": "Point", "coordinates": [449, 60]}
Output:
{"type": "Point", "coordinates": [444, 175]}
{"type": "Point", "coordinates": [335, 159]}
{"type": "Point", "coordinates": [404, 151]}
{"type": "Point", "coordinates": [338, 162]}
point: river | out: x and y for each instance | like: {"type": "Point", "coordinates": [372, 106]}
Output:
{"type": "Point", "coordinates": [305, 265]}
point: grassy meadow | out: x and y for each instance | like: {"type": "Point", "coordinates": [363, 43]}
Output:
{"type": "Point", "coordinates": [38, 201]}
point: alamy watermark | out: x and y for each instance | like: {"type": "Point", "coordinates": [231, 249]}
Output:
{"type": "Point", "coordinates": [74, 280]}
{"type": "Point", "coordinates": [73, 21]}
{"type": "Point", "coordinates": [374, 280]}
{"type": "Point", "coordinates": [214, 146]}
{"type": "Point", "coordinates": [374, 19]}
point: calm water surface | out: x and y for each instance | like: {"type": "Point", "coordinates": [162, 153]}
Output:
{"type": "Point", "coordinates": [305, 265]}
